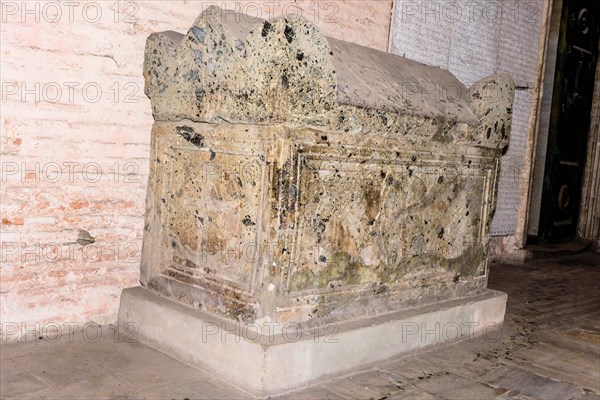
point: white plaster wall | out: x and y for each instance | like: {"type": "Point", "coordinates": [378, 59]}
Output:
{"type": "Point", "coordinates": [474, 39]}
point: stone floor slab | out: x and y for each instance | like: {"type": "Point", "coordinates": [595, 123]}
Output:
{"type": "Point", "coordinates": [538, 387]}
{"type": "Point", "coordinates": [454, 387]}
{"type": "Point", "coordinates": [373, 384]}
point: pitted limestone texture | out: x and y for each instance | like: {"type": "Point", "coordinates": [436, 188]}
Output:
{"type": "Point", "coordinates": [238, 69]}
{"type": "Point", "coordinates": [299, 178]}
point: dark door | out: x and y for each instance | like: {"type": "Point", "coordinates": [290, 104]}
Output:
{"type": "Point", "coordinates": [570, 119]}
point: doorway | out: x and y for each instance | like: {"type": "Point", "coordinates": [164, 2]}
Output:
{"type": "Point", "coordinates": [569, 121]}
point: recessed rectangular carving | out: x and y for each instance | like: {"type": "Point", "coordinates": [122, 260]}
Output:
{"type": "Point", "coordinates": [368, 221]}
{"type": "Point", "coordinates": [212, 203]}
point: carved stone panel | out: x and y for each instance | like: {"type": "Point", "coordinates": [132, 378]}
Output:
{"type": "Point", "coordinates": [214, 215]}
{"type": "Point", "coordinates": [372, 220]}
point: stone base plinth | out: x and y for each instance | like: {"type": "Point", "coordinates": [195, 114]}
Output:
{"type": "Point", "coordinates": [256, 359]}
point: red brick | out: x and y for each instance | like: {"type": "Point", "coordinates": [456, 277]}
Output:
{"type": "Point", "coordinates": [12, 221]}
{"type": "Point", "coordinates": [79, 204]}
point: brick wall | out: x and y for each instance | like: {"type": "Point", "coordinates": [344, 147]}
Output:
{"type": "Point", "coordinates": [75, 142]}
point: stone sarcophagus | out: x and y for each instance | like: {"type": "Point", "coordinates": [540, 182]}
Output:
{"type": "Point", "coordinates": [300, 183]}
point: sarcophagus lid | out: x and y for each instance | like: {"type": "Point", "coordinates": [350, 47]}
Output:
{"type": "Point", "coordinates": [235, 68]}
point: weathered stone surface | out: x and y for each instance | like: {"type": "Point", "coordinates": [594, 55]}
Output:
{"type": "Point", "coordinates": [298, 178]}
{"type": "Point", "coordinates": [286, 72]}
